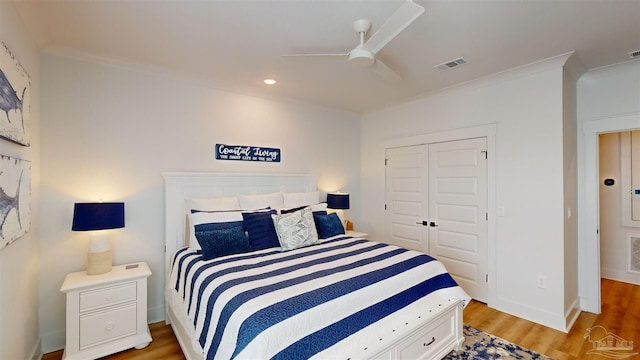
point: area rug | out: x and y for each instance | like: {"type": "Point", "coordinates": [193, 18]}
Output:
{"type": "Point", "coordinates": [479, 345]}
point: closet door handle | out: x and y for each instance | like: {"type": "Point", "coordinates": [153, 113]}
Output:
{"type": "Point", "coordinates": [432, 224]}
{"type": "Point", "coordinates": [423, 223]}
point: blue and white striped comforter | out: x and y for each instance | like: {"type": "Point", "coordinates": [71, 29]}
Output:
{"type": "Point", "coordinates": [343, 298]}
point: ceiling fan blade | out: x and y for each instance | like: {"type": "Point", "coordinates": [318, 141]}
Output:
{"type": "Point", "coordinates": [296, 57]}
{"type": "Point", "coordinates": [384, 72]}
{"type": "Point", "coordinates": [399, 20]}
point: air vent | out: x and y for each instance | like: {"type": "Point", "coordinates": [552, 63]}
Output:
{"type": "Point", "coordinates": [452, 63]}
{"type": "Point", "coordinates": [634, 256]}
{"type": "Point", "coordinates": [634, 54]}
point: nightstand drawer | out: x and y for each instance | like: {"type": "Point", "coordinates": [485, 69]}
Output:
{"type": "Point", "coordinates": [107, 296]}
{"type": "Point", "coordinates": [108, 325]}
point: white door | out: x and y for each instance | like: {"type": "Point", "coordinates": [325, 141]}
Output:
{"type": "Point", "coordinates": [436, 202]}
{"type": "Point", "coordinates": [458, 212]}
{"type": "Point", "coordinates": [407, 197]}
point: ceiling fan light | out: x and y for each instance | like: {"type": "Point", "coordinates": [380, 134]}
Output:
{"type": "Point", "coordinates": [270, 81]}
{"type": "Point", "coordinates": [361, 58]}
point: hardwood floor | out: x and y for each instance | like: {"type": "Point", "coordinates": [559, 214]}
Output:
{"type": "Point", "coordinates": [164, 346]}
{"type": "Point", "coordinates": [620, 316]}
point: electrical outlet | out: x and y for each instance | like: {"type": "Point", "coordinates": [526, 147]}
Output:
{"type": "Point", "coordinates": [542, 281]}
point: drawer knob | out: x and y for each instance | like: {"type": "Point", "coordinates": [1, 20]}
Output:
{"type": "Point", "coordinates": [109, 327]}
{"type": "Point", "coordinates": [433, 339]}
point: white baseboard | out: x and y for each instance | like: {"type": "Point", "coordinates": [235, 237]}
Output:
{"type": "Point", "coordinates": [571, 314]}
{"type": "Point", "coordinates": [156, 314]}
{"type": "Point", "coordinates": [53, 341]}
{"type": "Point", "coordinates": [36, 352]}
{"type": "Point", "coordinates": [554, 321]}
{"type": "Point", "coordinates": [621, 275]}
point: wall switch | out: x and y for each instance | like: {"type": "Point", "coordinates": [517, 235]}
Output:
{"type": "Point", "coordinates": [542, 281]}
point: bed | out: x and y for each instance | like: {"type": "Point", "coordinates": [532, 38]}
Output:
{"type": "Point", "coordinates": [341, 298]}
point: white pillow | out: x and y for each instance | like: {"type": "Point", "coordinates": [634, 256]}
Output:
{"type": "Point", "coordinates": [292, 200]}
{"type": "Point", "coordinates": [296, 229]}
{"type": "Point", "coordinates": [319, 207]}
{"type": "Point", "coordinates": [261, 201]}
{"type": "Point", "coordinates": [214, 218]}
{"type": "Point", "coordinates": [212, 204]}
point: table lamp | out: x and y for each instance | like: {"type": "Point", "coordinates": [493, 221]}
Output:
{"type": "Point", "coordinates": [339, 202]}
{"type": "Point", "coordinates": [97, 218]}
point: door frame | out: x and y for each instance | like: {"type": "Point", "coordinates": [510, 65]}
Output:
{"type": "Point", "coordinates": [589, 219]}
{"type": "Point", "coordinates": [487, 131]}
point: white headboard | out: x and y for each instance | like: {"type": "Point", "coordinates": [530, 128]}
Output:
{"type": "Point", "coordinates": [181, 185]}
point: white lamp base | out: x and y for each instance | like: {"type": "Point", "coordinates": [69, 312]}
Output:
{"type": "Point", "coordinates": [99, 256]}
{"type": "Point", "coordinates": [99, 262]}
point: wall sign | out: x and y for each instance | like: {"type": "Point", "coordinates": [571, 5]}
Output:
{"type": "Point", "coordinates": [247, 153]}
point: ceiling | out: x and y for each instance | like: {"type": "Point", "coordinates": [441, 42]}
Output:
{"type": "Point", "coordinates": [235, 44]}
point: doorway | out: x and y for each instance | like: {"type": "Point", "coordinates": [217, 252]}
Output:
{"type": "Point", "coordinates": [589, 219]}
{"type": "Point", "coordinates": [619, 179]}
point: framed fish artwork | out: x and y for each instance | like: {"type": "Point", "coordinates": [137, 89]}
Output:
{"type": "Point", "coordinates": [15, 199]}
{"type": "Point", "coordinates": [15, 95]}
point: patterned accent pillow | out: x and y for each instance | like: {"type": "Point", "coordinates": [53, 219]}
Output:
{"type": "Point", "coordinates": [216, 243]}
{"type": "Point", "coordinates": [213, 220]}
{"type": "Point", "coordinates": [296, 229]}
{"type": "Point", "coordinates": [205, 221]}
{"type": "Point", "coordinates": [328, 225]}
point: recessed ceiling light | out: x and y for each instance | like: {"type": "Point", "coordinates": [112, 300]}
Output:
{"type": "Point", "coordinates": [270, 81]}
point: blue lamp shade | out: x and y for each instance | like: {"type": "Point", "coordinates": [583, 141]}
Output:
{"type": "Point", "coordinates": [338, 201]}
{"type": "Point", "coordinates": [97, 216]}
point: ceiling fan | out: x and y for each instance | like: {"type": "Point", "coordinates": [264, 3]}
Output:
{"type": "Point", "coordinates": [363, 55]}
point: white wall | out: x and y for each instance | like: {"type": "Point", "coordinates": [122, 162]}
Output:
{"type": "Point", "coordinates": [608, 101]}
{"type": "Point", "coordinates": [19, 260]}
{"type": "Point", "coordinates": [609, 92]}
{"type": "Point", "coordinates": [573, 69]}
{"type": "Point", "coordinates": [111, 129]}
{"type": "Point", "coordinates": [526, 105]}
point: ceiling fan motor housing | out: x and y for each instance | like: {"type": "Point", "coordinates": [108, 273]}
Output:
{"type": "Point", "coordinates": [361, 57]}
{"type": "Point", "coordinates": [363, 54]}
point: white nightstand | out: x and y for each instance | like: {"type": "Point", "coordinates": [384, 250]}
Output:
{"type": "Point", "coordinates": [357, 234]}
{"type": "Point", "coordinates": [106, 313]}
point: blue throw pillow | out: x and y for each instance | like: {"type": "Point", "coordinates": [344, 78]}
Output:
{"type": "Point", "coordinates": [216, 243]}
{"type": "Point", "coordinates": [328, 225]}
{"type": "Point", "coordinates": [262, 233]}
{"type": "Point", "coordinates": [217, 226]}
